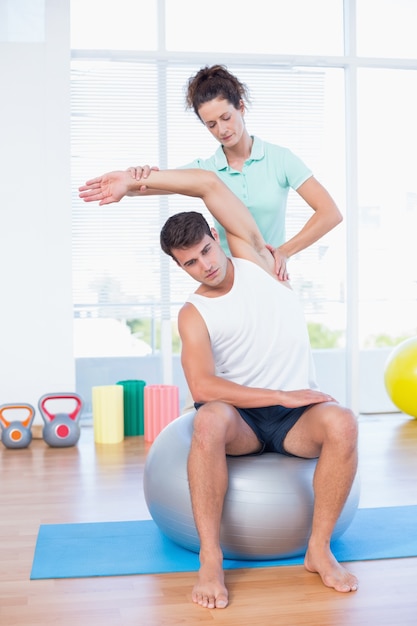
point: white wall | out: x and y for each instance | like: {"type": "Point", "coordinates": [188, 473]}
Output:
{"type": "Point", "coordinates": [331, 377]}
{"type": "Point", "coordinates": [36, 352]}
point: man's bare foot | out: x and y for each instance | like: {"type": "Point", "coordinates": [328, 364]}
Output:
{"type": "Point", "coordinates": [209, 590]}
{"type": "Point", "coordinates": [332, 573]}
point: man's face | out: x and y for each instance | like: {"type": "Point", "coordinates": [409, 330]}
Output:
{"type": "Point", "coordinates": [205, 261]}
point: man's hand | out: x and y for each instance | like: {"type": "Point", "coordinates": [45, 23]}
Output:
{"type": "Point", "coordinates": [141, 172]}
{"type": "Point", "coordinates": [110, 187]}
{"type": "Point", "coordinates": [303, 397]}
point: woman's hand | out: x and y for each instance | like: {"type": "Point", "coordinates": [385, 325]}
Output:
{"type": "Point", "coordinates": [141, 172]}
{"type": "Point", "coordinates": [280, 263]}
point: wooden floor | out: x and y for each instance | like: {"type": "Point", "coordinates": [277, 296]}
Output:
{"type": "Point", "coordinates": [101, 483]}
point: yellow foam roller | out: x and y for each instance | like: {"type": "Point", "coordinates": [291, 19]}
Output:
{"type": "Point", "coordinates": [108, 414]}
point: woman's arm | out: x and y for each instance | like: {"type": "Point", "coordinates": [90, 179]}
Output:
{"type": "Point", "coordinates": [326, 216]}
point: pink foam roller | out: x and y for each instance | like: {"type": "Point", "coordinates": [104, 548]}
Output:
{"type": "Point", "coordinates": [161, 406]}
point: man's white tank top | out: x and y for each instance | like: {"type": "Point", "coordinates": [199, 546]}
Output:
{"type": "Point", "coordinates": [258, 332]}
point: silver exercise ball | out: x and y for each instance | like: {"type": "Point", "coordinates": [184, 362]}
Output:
{"type": "Point", "coordinates": [268, 506]}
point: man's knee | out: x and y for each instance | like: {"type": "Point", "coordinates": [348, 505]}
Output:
{"type": "Point", "coordinates": [342, 425]}
{"type": "Point", "coordinates": [212, 420]}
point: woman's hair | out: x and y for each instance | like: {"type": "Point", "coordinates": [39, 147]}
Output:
{"type": "Point", "coordinates": [215, 82]}
{"type": "Point", "coordinates": [183, 230]}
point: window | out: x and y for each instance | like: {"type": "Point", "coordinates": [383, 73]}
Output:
{"type": "Point", "coordinates": [387, 28]}
{"type": "Point", "coordinates": [122, 117]}
{"type": "Point", "coordinates": [128, 108]}
{"type": "Point", "coordinates": [109, 25]}
{"type": "Point", "coordinates": [238, 26]}
{"type": "Point", "coordinates": [387, 132]}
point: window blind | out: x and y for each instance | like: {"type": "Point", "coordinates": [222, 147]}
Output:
{"type": "Point", "coordinates": [128, 113]}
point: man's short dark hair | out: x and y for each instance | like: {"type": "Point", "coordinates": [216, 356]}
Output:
{"type": "Point", "coordinates": [183, 230]}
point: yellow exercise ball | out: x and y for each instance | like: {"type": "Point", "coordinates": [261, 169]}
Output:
{"type": "Point", "coordinates": [400, 376]}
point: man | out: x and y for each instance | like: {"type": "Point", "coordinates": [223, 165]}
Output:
{"type": "Point", "coordinates": [247, 361]}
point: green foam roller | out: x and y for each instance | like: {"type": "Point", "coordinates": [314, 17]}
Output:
{"type": "Point", "coordinates": [133, 407]}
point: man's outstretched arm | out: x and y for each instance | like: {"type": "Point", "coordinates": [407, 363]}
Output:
{"type": "Point", "coordinates": [244, 237]}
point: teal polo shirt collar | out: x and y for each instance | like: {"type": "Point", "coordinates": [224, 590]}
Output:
{"type": "Point", "coordinates": [257, 153]}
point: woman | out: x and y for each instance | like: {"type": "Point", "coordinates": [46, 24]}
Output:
{"type": "Point", "coordinates": [259, 173]}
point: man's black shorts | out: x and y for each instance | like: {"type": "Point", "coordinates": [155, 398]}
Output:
{"type": "Point", "coordinates": [270, 424]}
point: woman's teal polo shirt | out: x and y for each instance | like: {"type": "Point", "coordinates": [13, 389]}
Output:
{"type": "Point", "coordinates": [262, 185]}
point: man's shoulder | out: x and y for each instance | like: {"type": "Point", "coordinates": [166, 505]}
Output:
{"type": "Point", "coordinates": [248, 263]}
{"type": "Point", "coordinates": [251, 270]}
{"type": "Point", "coordinates": [188, 311]}
{"type": "Point", "coordinates": [248, 266]}
{"type": "Point", "coordinates": [188, 304]}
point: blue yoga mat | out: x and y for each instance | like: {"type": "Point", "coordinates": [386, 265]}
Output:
{"type": "Point", "coordinates": [138, 547]}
